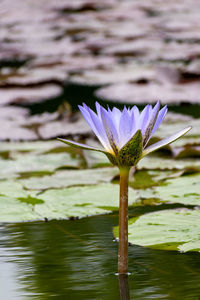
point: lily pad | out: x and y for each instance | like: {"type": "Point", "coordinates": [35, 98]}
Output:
{"type": "Point", "coordinates": [166, 230]}
{"type": "Point", "coordinates": [28, 162]}
{"type": "Point", "coordinates": [81, 201]}
{"type": "Point", "coordinates": [74, 202]}
{"type": "Point", "coordinates": [186, 151]}
{"type": "Point", "coordinates": [156, 162]}
{"type": "Point", "coordinates": [184, 189]}
{"type": "Point", "coordinates": [63, 127]}
{"type": "Point", "coordinates": [119, 73]}
{"type": "Point", "coordinates": [67, 178]}
{"type": "Point", "coordinates": [29, 95]}
{"type": "Point", "coordinates": [13, 210]}
{"type": "Point", "coordinates": [13, 189]}
{"type": "Point", "coordinates": [10, 130]}
{"type": "Point", "coordinates": [36, 146]}
{"type": "Point", "coordinates": [148, 93]}
{"type": "Point", "coordinates": [36, 76]}
{"type": "Point", "coordinates": [143, 179]}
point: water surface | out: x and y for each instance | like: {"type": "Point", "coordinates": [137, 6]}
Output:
{"type": "Point", "coordinates": [78, 260]}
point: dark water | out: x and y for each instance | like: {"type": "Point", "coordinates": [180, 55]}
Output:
{"type": "Point", "coordinates": [78, 260]}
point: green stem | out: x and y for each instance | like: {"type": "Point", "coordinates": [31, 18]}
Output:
{"type": "Point", "coordinates": [123, 222]}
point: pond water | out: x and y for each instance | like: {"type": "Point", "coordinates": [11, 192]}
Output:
{"type": "Point", "coordinates": [77, 259]}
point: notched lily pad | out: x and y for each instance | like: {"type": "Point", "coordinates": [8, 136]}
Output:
{"type": "Point", "coordinates": [176, 229]}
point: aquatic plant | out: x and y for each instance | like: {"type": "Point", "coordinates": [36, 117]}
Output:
{"type": "Point", "coordinates": [124, 136]}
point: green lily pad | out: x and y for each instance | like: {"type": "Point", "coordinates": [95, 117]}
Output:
{"type": "Point", "coordinates": [143, 179]}
{"type": "Point", "coordinates": [66, 178]}
{"type": "Point", "coordinates": [166, 230]}
{"type": "Point", "coordinates": [81, 201]}
{"type": "Point", "coordinates": [36, 146]}
{"type": "Point", "coordinates": [167, 129]}
{"type": "Point", "coordinates": [19, 205]}
{"type": "Point", "coordinates": [95, 159]}
{"type": "Point", "coordinates": [185, 190]}
{"type": "Point", "coordinates": [13, 210]}
{"type": "Point", "coordinates": [13, 189]}
{"type": "Point", "coordinates": [186, 151]}
{"type": "Point", "coordinates": [156, 162]}
{"type": "Point", "coordinates": [28, 162]}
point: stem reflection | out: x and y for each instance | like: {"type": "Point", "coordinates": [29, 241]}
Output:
{"type": "Point", "coordinates": [124, 287]}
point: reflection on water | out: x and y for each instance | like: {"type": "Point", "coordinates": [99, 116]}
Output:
{"type": "Point", "coordinates": [124, 287]}
{"type": "Point", "coordinates": [78, 260]}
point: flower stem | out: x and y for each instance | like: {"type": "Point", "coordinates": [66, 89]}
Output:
{"type": "Point", "coordinates": [123, 222]}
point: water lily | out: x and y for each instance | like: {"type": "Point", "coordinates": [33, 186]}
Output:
{"type": "Point", "coordinates": [124, 136]}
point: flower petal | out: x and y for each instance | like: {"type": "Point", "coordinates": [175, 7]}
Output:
{"type": "Point", "coordinates": [166, 141]}
{"type": "Point", "coordinates": [135, 115]}
{"type": "Point", "coordinates": [144, 118]}
{"type": "Point", "coordinates": [110, 130]}
{"type": "Point", "coordinates": [96, 125]}
{"type": "Point", "coordinates": [124, 128]}
{"type": "Point", "coordinates": [116, 115]}
{"type": "Point", "coordinates": [159, 120]}
{"type": "Point", "coordinates": [79, 145]}
{"type": "Point", "coordinates": [151, 123]}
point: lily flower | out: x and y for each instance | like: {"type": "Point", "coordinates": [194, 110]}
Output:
{"type": "Point", "coordinates": [124, 137]}
{"type": "Point", "coordinates": [125, 134]}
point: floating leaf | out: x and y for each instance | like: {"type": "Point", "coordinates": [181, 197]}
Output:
{"type": "Point", "coordinates": [166, 230]}
{"type": "Point", "coordinates": [81, 201]}
{"type": "Point", "coordinates": [115, 74]}
{"type": "Point", "coordinates": [19, 205]}
{"type": "Point", "coordinates": [29, 95]}
{"type": "Point", "coordinates": [28, 162]}
{"type": "Point", "coordinates": [63, 127]}
{"type": "Point", "coordinates": [67, 178]}
{"type": "Point", "coordinates": [13, 189]}
{"type": "Point", "coordinates": [13, 210]}
{"type": "Point", "coordinates": [155, 162]}
{"type": "Point", "coordinates": [148, 93]}
{"type": "Point", "coordinates": [184, 189]}
{"type": "Point", "coordinates": [34, 147]}
{"type": "Point", "coordinates": [143, 179]}
{"type": "Point", "coordinates": [36, 76]}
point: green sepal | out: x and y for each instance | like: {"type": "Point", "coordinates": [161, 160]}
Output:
{"type": "Point", "coordinates": [131, 153]}
{"type": "Point", "coordinates": [112, 158]}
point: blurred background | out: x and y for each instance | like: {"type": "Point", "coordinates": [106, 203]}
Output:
{"type": "Point", "coordinates": [57, 54]}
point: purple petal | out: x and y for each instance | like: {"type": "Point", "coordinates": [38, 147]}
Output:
{"type": "Point", "coordinates": [150, 124]}
{"type": "Point", "coordinates": [98, 108]}
{"type": "Point", "coordinates": [110, 130]}
{"type": "Point", "coordinates": [79, 145]}
{"type": "Point", "coordinates": [96, 125]}
{"type": "Point", "coordinates": [124, 128]}
{"type": "Point", "coordinates": [116, 115]}
{"type": "Point", "coordinates": [166, 141]}
{"type": "Point", "coordinates": [144, 118]}
{"type": "Point", "coordinates": [161, 115]}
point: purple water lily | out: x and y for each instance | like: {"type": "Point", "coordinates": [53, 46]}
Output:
{"type": "Point", "coordinates": [115, 129]}
{"type": "Point", "coordinates": [124, 137]}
